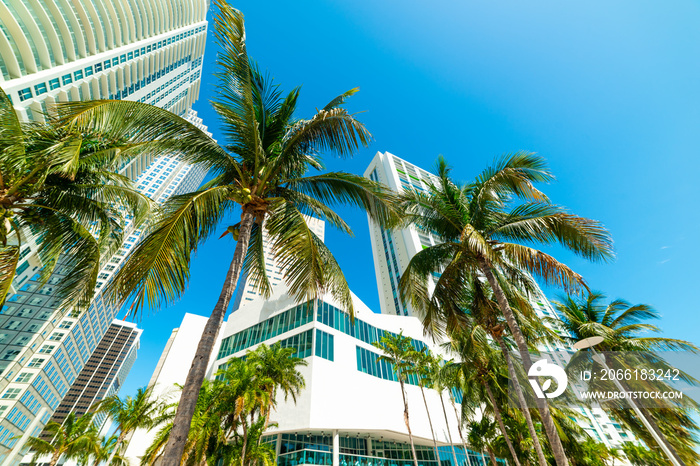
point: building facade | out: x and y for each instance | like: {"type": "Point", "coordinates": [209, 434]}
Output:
{"type": "Point", "coordinates": [104, 372]}
{"type": "Point", "coordinates": [149, 51]}
{"type": "Point", "coordinates": [392, 251]}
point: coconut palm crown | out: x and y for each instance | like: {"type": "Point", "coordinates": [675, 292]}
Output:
{"type": "Point", "coordinates": [59, 184]}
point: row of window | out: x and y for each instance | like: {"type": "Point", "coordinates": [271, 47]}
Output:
{"type": "Point", "coordinates": [276, 325]}
{"type": "Point", "coordinates": [369, 363]}
{"type": "Point", "coordinates": [339, 320]}
{"type": "Point", "coordinates": [77, 75]}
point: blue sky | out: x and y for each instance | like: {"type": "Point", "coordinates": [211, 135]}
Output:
{"type": "Point", "coordinates": [607, 92]}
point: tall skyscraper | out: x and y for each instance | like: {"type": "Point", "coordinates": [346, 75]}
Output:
{"type": "Point", "coordinates": [392, 251]}
{"type": "Point", "coordinates": [149, 51]}
{"type": "Point", "coordinates": [104, 372]}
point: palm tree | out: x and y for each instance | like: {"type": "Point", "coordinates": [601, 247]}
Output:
{"type": "Point", "coordinates": [482, 225]}
{"type": "Point", "coordinates": [264, 171]}
{"type": "Point", "coordinates": [482, 433]}
{"type": "Point", "coordinates": [59, 184]}
{"type": "Point", "coordinates": [142, 411]}
{"type": "Point", "coordinates": [279, 366]}
{"type": "Point", "coordinates": [478, 372]}
{"type": "Point", "coordinates": [422, 368]}
{"type": "Point", "coordinates": [74, 439]}
{"type": "Point", "coordinates": [444, 380]}
{"type": "Point", "coordinates": [482, 310]}
{"type": "Point", "coordinates": [107, 453]}
{"type": "Point", "coordinates": [624, 329]}
{"type": "Point", "coordinates": [397, 351]}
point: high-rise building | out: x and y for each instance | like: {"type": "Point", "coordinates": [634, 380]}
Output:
{"type": "Point", "coordinates": [351, 410]}
{"type": "Point", "coordinates": [104, 372]}
{"type": "Point", "coordinates": [149, 51]}
{"type": "Point", "coordinates": [392, 251]}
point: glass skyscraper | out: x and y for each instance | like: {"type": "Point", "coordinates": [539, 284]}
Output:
{"type": "Point", "coordinates": [143, 50]}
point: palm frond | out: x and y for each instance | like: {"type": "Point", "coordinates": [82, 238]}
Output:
{"type": "Point", "coordinates": [545, 267]}
{"type": "Point", "coordinates": [9, 257]}
{"type": "Point", "coordinates": [309, 267]}
{"type": "Point", "coordinates": [158, 270]}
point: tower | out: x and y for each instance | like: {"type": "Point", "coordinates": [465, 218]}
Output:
{"type": "Point", "coordinates": [149, 51]}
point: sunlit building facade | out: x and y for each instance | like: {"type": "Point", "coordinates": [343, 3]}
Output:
{"type": "Point", "coordinates": [149, 51]}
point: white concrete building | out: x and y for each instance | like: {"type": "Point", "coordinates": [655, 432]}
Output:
{"type": "Point", "coordinates": [149, 51]}
{"type": "Point", "coordinates": [392, 251]}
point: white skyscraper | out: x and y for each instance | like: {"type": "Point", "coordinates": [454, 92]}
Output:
{"type": "Point", "coordinates": [392, 251]}
{"type": "Point", "coordinates": [149, 51]}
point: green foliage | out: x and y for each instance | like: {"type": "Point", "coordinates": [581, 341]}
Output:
{"type": "Point", "coordinates": [232, 412]}
{"type": "Point", "coordinates": [58, 182]}
{"type": "Point", "coordinates": [638, 455]}
{"type": "Point", "coordinates": [625, 328]}
{"type": "Point", "coordinates": [76, 438]}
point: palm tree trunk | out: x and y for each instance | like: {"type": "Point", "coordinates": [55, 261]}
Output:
{"type": "Point", "coordinates": [244, 447]}
{"type": "Point", "coordinates": [55, 457]}
{"type": "Point", "coordinates": [193, 384]}
{"type": "Point", "coordinates": [492, 456]}
{"type": "Point", "coordinates": [459, 430]}
{"type": "Point", "coordinates": [120, 440]}
{"type": "Point", "coordinates": [405, 418]}
{"type": "Point", "coordinates": [447, 424]}
{"type": "Point", "coordinates": [432, 431]}
{"type": "Point", "coordinates": [522, 402]}
{"type": "Point", "coordinates": [542, 406]}
{"type": "Point", "coordinates": [499, 419]}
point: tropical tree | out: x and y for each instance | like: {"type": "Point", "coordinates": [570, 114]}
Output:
{"type": "Point", "coordinates": [233, 411]}
{"type": "Point", "coordinates": [625, 328]}
{"type": "Point", "coordinates": [107, 453]}
{"type": "Point", "coordinates": [638, 455]}
{"type": "Point", "coordinates": [443, 380]}
{"type": "Point", "coordinates": [478, 373]}
{"type": "Point", "coordinates": [59, 183]}
{"type": "Point", "coordinates": [482, 226]}
{"type": "Point", "coordinates": [482, 434]}
{"type": "Point", "coordinates": [279, 367]}
{"type": "Point", "coordinates": [74, 439]}
{"type": "Point", "coordinates": [482, 310]}
{"type": "Point", "coordinates": [142, 411]}
{"type": "Point", "coordinates": [422, 368]}
{"type": "Point", "coordinates": [397, 351]}
{"type": "Point", "coordinates": [264, 170]}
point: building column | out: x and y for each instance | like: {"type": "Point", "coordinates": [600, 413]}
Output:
{"type": "Point", "coordinates": [278, 446]}
{"type": "Point", "coordinates": [336, 448]}
{"type": "Point", "coordinates": [369, 446]}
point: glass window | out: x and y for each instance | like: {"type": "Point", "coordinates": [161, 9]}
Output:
{"type": "Point", "coordinates": [11, 393]}
{"type": "Point", "coordinates": [107, 64]}
{"type": "Point", "coordinates": [129, 55]}
{"type": "Point", "coordinates": [40, 89]}
{"type": "Point", "coordinates": [88, 71]}
{"type": "Point", "coordinates": [24, 377]}
{"type": "Point", "coordinates": [122, 59]}
{"type": "Point", "coordinates": [98, 67]}
{"type": "Point", "coordinates": [78, 74]}
{"type": "Point", "coordinates": [67, 79]}
{"type": "Point", "coordinates": [115, 61]}
{"type": "Point", "coordinates": [25, 94]}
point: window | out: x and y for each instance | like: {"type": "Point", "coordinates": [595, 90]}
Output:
{"type": "Point", "coordinates": [47, 349]}
{"type": "Point", "coordinates": [88, 71]}
{"type": "Point", "coordinates": [78, 75]}
{"type": "Point", "coordinates": [98, 67]}
{"type": "Point", "coordinates": [40, 89]}
{"type": "Point", "coordinates": [13, 324]}
{"type": "Point", "coordinates": [67, 79]}
{"type": "Point", "coordinates": [36, 362]}
{"type": "Point", "coordinates": [65, 324]}
{"type": "Point", "coordinates": [11, 393]}
{"type": "Point", "coordinates": [129, 55]}
{"type": "Point", "coordinates": [10, 354]}
{"type": "Point", "coordinates": [324, 345]}
{"type": "Point", "coordinates": [122, 59]}
{"type": "Point", "coordinates": [24, 377]}
{"type": "Point", "coordinates": [56, 336]}
{"type": "Point", "coordinates": [25, 94]}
